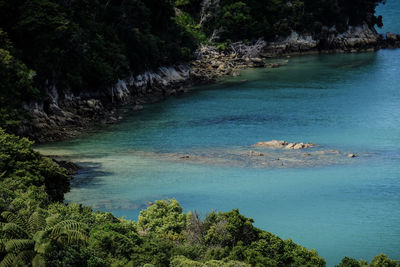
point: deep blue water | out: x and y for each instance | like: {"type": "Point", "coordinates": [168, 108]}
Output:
{"type": "Point", "coordinates": [346, 102]}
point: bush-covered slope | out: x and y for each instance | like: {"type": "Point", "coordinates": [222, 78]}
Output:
{"type": "Point", "coordinates": [247, 19]}
{"type": "Point", "coordinates": [37, 230]}
{"type": "Point", "coordinates": [87, 45]}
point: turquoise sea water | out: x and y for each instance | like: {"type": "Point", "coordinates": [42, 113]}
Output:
{"type": "Point", "coordinates": [346, 102]}
{"type": "Point", "coordinates": [391, 16]}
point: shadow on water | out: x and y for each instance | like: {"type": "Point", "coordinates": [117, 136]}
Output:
{"type": "Point", "coordinates": [234, 119]}
{"type": "Point", "coordinates": [89, 176]}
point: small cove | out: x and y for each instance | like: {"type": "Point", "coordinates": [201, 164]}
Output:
{"type": "Point", "coordinates": [345, 102]}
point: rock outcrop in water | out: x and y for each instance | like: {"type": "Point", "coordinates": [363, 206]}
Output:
{"type": "Point", "coordinates": [284, 144]}
{"type": "Point", "coordinates": [262, 157]}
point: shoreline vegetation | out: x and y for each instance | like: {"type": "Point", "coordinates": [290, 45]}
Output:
{"type": "Point", "coordinates": [67, 65]}
{"type": "Point", "coordinates": [70, 115]}
{"type": "Point", "coordinates": [37, 229]}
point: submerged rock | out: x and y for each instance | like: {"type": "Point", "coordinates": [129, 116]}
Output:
{"type": "Point", "coordinates": [137, 107]}
{"type": "Point", "coordinates": [255, 154]}
{"type": "Point", "coordinates": [240, 157]}
{"type": "Point", "coordinates": [272, 144]}
{"type": "Point", "coordinates": [284, 144]}
{"type": "Point", "coordinates": [301, 145]}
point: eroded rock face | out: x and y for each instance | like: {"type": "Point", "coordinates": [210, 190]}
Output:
{"type": "Point", "coordinates": [294, 43]}
{"type": "Point", "coordinates": [356, 38]}
{"type": "Point", "coordinates": [65, 114]}
{"type": "Point", "coordinates": [392, 40]}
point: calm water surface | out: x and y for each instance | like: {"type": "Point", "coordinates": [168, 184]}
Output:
{"type": "Point", "coordinates": [391, 16]}
{"type": "Point", "coordinates": [345, 102]}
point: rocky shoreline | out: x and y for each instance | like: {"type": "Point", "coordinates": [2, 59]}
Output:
{"type": "Point", "coordinates": [62, 116]}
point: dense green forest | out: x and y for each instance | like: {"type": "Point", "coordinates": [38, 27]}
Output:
{"type": "Point", "coordinates": [37, 229]}
{"type": "Point", "coordinates": [87, 45]}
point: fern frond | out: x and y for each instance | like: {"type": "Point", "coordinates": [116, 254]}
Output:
{"type": "Point", "coordinates": [71, 237]}
{"type": "Point", "coordinates": [16, 245]}
{"type": "Point", "coordinates": [40, 235]}
{"type": "Point", "coordinates": [24, 258]}
{"type": "Point", "coordinates": [67, 225]}
{"type": "Point", "coordinates": [14, 218]}
{"type": "Point", "coordinates": [36, 222]}
{"type": "Point", "coordinates": [52, 220]}
{"type": "Point", "coordinates": [76, 237]}
{"type": "Point", "coordinates": [8, 260]}
{"type": "Point", "coordinates": [71, 225]}
{"type": "Point", "coordinates": [14, 231]}
{"type": "Point", "coordinates": [38, 261]}
{"type": "Point", "coordinates": [3, 245]}
{"type": "Point", "coordinates": [42, 247]}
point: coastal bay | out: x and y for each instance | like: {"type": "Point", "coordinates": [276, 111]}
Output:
{"type": "Point", "coordinates": [347, 102]}
{"type": "Point", "coordinates": [200, 133]}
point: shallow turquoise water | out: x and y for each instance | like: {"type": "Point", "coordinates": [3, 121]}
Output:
{"type": "Point", "coordinates": [346, 102]}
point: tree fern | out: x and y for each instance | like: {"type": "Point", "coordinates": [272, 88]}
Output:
{"type": "Point", "coordinates": [15, 218]}
{"type": "Point", "coordinates": [38, 261]}
{"type": "Point", "coordinates": [42, 247]}
{"type": "Point", "coordinates": [8, 260]}
{"type": "Point", "coordinates": [52, 220]}
{"type": "Point", "coordinates": [2, 246]}
{"type": "Point", "coordinates": [23, 257]}
{"type": "Point", "coordinates": [26, 241]}
{"type": "Point", "coordinates": [36, 222]}
{"type": "Point", "coordinates": [68, 225]}
{"type": "Point", "coordinates": [15, 245]}
{"type": "Point", "coordinates": [12, 230]}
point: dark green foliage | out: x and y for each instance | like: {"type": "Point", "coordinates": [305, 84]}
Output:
{"type": "Point", "coordinates": [383, 261]}
{"type": "Point", "coordinates": [236, 20]}
{"type": "Point", "coordinates": [349, 262]}
{"type": "Point", "coordinates": [82, 45]}
{"type": "Point", "coordinates": [380, 260]}
{"type": "Point", "coordinates": [90, 44]}
{"type": "Point", "coordinates": [87, 45]}
{"type": "Point", "coordinates": [16, 85]}
{"type": "Point", "coordinates": [21, 168]}
{"type": "Point", "coordinates": [29, 240]}
{"type": "Point", "coordinates": [249, 19]}
{"type": "Point", "coordinates": [36, 231]}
